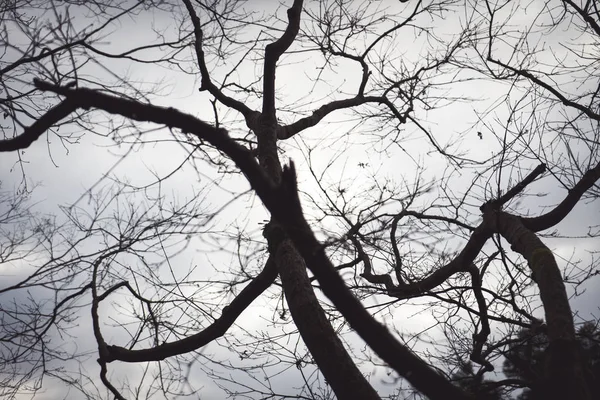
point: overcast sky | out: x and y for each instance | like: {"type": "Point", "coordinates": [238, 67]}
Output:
{"type": "Point", "coordinates": [73, 175]}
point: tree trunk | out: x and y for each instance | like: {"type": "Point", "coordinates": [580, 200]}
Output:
{"type": "Point", "coordinates": [316, 331]}
{"type": "Point", "coordinates": [564, 369]}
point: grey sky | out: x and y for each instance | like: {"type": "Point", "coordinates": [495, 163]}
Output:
{"type": "Point", "coordinates": [351, 153]}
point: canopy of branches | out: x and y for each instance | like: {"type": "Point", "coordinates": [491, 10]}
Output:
{"type": "Point", "coordinates": [299, 199]}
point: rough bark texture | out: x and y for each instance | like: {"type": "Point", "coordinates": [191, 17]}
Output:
{"type": "Point", "coordinates": [564, 369]}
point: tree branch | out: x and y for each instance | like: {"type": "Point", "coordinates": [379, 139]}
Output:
{"type": "Point", "coordinates": [207, 84]}
{"type": "Point", "coordinates": [272, 53]}
{"type": "Point", "coordinates": [518, 188]}
{"type": "Point", "coordinates": [42, 124]}
{"type": "Point", "coordinates": [284, 204]}
{"type": "Point", "coordinates": [399, 357]}
{"type": "Point", "coordinates": [559, 212]}
{"type": "Point", "coordinates": [561, 97]}
{"type": "Point", "coordinates": [585, 16]}
{"type": "Point", "coordinates": [290, 130]}
{"type": "Point", "coordinates": [217, 329]}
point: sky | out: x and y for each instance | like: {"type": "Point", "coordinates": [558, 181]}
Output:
{"type": "Point", "coordinates": [67, 176]}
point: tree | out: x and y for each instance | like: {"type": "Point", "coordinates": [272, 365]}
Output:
{"type": "Point", "coordinates": [467, 379]}
{"type": "Point", "coordinates": [375, 244]}
{"type": "Point", "coordinates": [525, 360]}
{"type": "Point", "coordinates": [524, 363]}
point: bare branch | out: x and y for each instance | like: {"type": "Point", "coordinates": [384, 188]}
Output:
{"type": "Point", "coordinates": [207, 83]}
{"type": "Point", "coordinates": [41, 125]}
{"type": "Point", "coordinates": [272, 53]}
{"type": "Point", "coordinates": [217, 329]}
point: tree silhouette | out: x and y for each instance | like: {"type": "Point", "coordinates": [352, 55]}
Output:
{"type": "Point", "coordinates": [526, 360]}
{"type": "Point", "coordinates": [288, 187]}
{"type": "Point", "coordinates": [479, 388]}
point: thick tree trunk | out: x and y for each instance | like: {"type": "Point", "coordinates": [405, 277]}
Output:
{"type": "Point", "coordinates": [316, 331]}
{"type": "Point", "coordinates": [564, 369]}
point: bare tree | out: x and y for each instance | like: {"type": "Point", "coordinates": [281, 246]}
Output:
{"type": "Point", "coordinates": [381, 210]}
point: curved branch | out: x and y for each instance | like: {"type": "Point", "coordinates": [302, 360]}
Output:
{"type": "Point", "coordinates": [480, 337]}
{"type": "Point", "coordinates": [33, 132]}
{"type": "Point", "coordinates": [283, 202]}
{"type": "Point", "coordinates": [561, 97]}
{"type": "Point", "coordinates": [102, 348]}
{"type": "Point", "coordinates": [559, 212]}
{"type": "Point", "coordinates": [397, 258]}
{"type": "Point", "coordinates": [460, 263]}
{"type": "Point", "coordinates": [217, 329]}
{"type": "Point", "coordinates": [290, 130]}
{"type": "Point", "coordinates": [383, 279]}
{"type": "Point", "coordinates": [392, 29]}
{"type": "Point", "coordinates": [207, 84]}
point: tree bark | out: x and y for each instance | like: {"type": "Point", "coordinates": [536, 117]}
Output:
{"type": "Point", "coordinates": [564, 369]}
{"type": "Point", "coordinates": [316, 331]}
